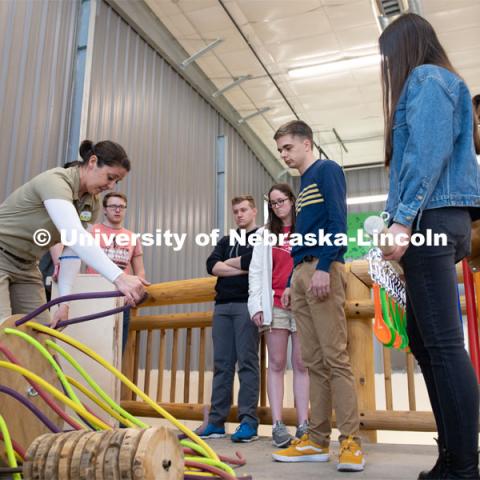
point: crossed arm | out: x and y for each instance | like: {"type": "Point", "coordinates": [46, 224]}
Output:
{"type": "Point", "coordinates": [218, 266]}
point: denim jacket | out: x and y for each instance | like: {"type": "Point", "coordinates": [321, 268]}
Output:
{"type": "Point", "coordinates": [433, 163]}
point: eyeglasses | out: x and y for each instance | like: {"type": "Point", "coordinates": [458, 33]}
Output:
{"type": "Point", "coordinates": [278, 203]}
{"type": "Point", "coordinates": [116, 207]}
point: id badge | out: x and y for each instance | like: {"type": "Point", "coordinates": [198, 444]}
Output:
{"type": "Point", "coordinates": [86, 216]}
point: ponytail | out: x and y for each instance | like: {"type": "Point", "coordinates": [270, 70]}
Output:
{"type": "Point", "coordinates": [108, 153]}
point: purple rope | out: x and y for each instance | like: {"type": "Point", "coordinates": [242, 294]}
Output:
{"type": "Point", "coordinates": [192, 476]}
{"type": "Point", "coordinates": [67, 298]}
{"type": "Point", "coordinates": [92, 316]}
{"type": "Point", "coordinates": [10, 470]}
{"type": "Point", "coordinates": [33, 408]}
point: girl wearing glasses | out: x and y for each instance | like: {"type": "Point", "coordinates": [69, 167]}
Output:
{"type": "Point", "coordinates": [268, 275]}
{"type": "Point", "coordinates": [33, 217]}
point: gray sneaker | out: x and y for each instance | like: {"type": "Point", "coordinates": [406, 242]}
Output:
{"type": "Point", "coordinates": [302, 429]}
{"type": "Point", "coordinates": [280, 435]}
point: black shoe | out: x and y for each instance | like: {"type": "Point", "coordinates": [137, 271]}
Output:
{"type": "Point", "coordinates": [460, 465]}
{"type": "Point", "coordinates": [438, 468]}
{"type": "Point", "coordinates": [435, 473]}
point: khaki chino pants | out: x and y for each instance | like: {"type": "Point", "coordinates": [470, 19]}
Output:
{"type": "Point", "coordinates": [21, 289]}
{"type": "Point", "coordinates": [322, 330]}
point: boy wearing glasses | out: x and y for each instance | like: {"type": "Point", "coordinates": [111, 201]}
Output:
{"type": "Point", "coordinates": [127, 255]}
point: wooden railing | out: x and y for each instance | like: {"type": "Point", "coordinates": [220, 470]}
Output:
{"type": "Point", "coordinates": [359, 311]}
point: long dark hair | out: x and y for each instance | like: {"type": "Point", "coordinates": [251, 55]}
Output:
{"type": "Point", "coordinates": [107, 152]}
{"type": "Point", "coordinates": [408, 42]}
{"type": "Point", "coordinates": [274, 224]}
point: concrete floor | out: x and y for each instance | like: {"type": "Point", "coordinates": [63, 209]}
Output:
{"type": "Point", "coordinates": [384, 461]}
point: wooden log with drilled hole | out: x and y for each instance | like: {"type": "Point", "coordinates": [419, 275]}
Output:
{"type": "Point", "coordinates": [133, 454]}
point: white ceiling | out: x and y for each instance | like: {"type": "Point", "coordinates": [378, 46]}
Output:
{"type": "Point", "coordinates": [295, 33]}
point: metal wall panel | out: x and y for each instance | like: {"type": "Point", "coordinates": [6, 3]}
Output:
{"type": "Point", "coordinates": [37, 47]}
{"type": "Point", "coordinates": [170, 133]}
{"type": "Point", "coordinates": [245, 174]}
{"type": "Point", "coordinates": [367, 181]}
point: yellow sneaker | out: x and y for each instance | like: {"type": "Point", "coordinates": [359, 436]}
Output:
{"type": "Point", "coordinates": [350, 458]}
{"type": "Point", "coordinates": [302, 450]}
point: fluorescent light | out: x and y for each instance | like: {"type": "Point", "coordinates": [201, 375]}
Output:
{"type": "Point", "coordinates": [334, 67]}
{"type": "Point", "coordinates": [367, 199]}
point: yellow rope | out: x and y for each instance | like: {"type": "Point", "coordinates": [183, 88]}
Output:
{"type": "Point", "coordinates": [102, 405]}
{"type": "Point", "coordinates": [12, 461]}
{"type": "Point", "coordinates": [88, 351]}
{"type": "Point", "coordinates": [57, 394]}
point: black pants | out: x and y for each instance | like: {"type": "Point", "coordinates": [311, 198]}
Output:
{"type": "Point", "coordinates": [126, 325]}
{"type": "Point", "coordinates": [235, 339]}
{"type": "Point", "coordinates": [435, 329]}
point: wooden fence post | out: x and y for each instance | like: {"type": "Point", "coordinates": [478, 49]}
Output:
{"type": "Point", "coordinates": [128, 359]}
{"type": "Point", "coordinates": [360, 348]}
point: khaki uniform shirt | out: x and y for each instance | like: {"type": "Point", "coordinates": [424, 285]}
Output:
{"type": "Point", "coordinates": [23, 212]}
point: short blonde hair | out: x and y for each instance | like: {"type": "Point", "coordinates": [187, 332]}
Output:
{"type": "Point", "coordinates": [243, 198]}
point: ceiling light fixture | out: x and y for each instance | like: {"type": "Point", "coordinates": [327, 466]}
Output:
{"type": "Point", "coordinates": [254, 114]}
{"type": "Point", "coordinates": [367, 199]}
{"type": "Point", "coordinates": [334, 67]}
{"type": "Point", "coordinates": [236, 82]}
{"type": "Point", "coordinates": [201, 52]}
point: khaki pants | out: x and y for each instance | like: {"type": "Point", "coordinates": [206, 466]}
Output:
{"type": "Point", "coordinates": [322, 330]}
{"type": "Point", "coordinates": [21, 289]}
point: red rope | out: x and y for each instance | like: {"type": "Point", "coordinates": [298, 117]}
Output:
{"type": "Point", "coordinates": [473, 344]}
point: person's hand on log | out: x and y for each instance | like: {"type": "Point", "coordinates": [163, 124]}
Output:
{"type": "Point", "coordinates": [132, 287]}
{"type": "Point", "coordinates": [59, 315]}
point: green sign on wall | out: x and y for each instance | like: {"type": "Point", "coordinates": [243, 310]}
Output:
{"type": "Point", "coordinates": [354, 228]}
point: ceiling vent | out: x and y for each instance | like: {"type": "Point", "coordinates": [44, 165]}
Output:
{"type": "Point", "coordinates": [388, 10]}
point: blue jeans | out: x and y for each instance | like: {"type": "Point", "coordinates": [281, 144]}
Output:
{"type": "Point", "coordinates": [235, 339]}
{"type": "Point", "coordinates": [435, 329]}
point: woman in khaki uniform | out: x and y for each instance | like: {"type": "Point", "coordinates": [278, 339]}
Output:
{"type": "Point", "coordinates": [33, 217]}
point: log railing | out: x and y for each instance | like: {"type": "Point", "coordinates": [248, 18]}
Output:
{"type": "Point", "coordinates": [359, 311]}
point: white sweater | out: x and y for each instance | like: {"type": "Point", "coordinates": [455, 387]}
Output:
{"type": "Point", "coordinates": [260, 292]}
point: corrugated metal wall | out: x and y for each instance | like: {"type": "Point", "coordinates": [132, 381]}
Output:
{"type": "Point", "coordinates": [245, 174]}
{"type": "Point", "coordinates": [367, 181]}
{"type": "Point", "coordinates": [37, 51]}
{"type": "Point", "coordinates": [170, 134]}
